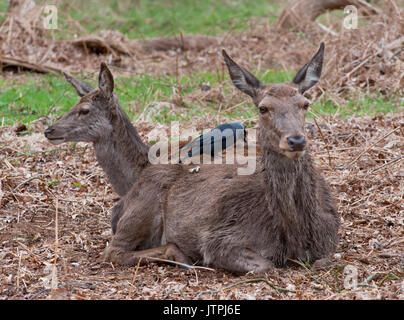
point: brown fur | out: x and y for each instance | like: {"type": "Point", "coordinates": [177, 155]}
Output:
{"type": "Point", "coordinates": [117, 144]}
{"type": "Point", "coordinates": [282, 212]}
{"type": "Point", "coordinates": [118, 147]}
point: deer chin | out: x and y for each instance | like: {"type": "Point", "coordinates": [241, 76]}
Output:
{"type": "Point", "coordinates": [56, 141]}
{"type": "Point", "coordinates": [294, 154]}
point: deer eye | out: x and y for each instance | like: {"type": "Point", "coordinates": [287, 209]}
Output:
{"type": "Point", "coordinates": [83, 111]}
{"type": "Point", "coordinates": [263, 109]}
{"type": "Point", "coordinates": [306, 105]}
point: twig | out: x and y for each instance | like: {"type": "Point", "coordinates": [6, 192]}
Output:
{"type": "Point", "coordinates": [387, 164]}
{"type": "Point", "coordinates": [394, 5]}
{"type": "Point", "coordinates": [26, 181]}
{"type": "Point", "coordinates": [18, 271]}
{"type": "Point", "coordinates": [368, 5]}
{"type": "Point", "coordinates": [56, 101]}
{"type": "Point", "coordinates": [371, 146]}
{"type": "Point", "coordinates": [38, 294]}
{"type": "Point", "coordinates": [28, 250]}
{"type": "Point", "coordinates": [183, 47]}
{"type": "Point", "coordinates": [179, 263]}
{"type": "Point", "coordinates": [235, 106]}
{"type": "Point", "coordinates": [54, 270]}
{"type": "Point", "coordinates": [328, 30]}
{"type": "Point", "coordinates": [326, 143]}
{"type": "Point", "coordinates": [365, 283]}
{"type": "Point", "coordinates": [134, 277]}
{"type": "Point", "coordinates": [388, 255]}
{"type": "Point", "coordinates": [9, 30]}
{"type": "Point", "coordinates": [389, 275]}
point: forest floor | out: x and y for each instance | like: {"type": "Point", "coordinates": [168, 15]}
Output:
{"type": "Point", "coordinates": [55, 223]}
{"type": "Point", "coordinates": [55, 201]}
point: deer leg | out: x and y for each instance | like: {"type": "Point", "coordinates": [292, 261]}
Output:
{"type": "Point", "coordinates": [243, 260]}
{"type": "Point", "coordinates": [117, 212]}
{"type": "Point", "coordinates": [129, 258]}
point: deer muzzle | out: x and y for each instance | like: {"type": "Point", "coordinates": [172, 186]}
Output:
{"type": "Point", "coordinates": [293, 146]}
{"type": "Point", "coordinates": [296, 143]}
{"type": "Point", "coordinates": [50, 135]}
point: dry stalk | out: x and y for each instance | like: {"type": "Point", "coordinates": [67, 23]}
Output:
{"type": "Point", "coordinates": [54, 269]}
{"type": "Point", "coordinates": [134, 277]}
{"type": "Point", "coordinates": [186, 266]}
{"type": "Point", "coordinates": [325, 141]}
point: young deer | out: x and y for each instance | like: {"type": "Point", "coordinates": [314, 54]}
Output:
{"type": "Point", "coordinates": [283, 212]}
{"type": "Point", "coordinates": [98, 118]}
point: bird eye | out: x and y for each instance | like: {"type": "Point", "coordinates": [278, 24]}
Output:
{"type": "Point", "coordinates": [263, 109]}
{"type": "Point", "coordinates": [84, 111]}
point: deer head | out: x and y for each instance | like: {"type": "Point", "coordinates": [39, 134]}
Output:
{"type": "Point", "coordinates": [282, 106]}
{"type": "Point", "coordinates": [90, 119]}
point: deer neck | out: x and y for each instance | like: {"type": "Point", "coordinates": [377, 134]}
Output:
{"type": "Point", "coordinates": [291, 188]}
{"type": "Point", "coordinates": [291, 197]}
{"type": "Point", "coordinates": [122, 154]}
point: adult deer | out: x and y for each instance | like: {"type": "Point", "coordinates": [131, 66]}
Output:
{"type": "Point", "coordinates": [282, 213]}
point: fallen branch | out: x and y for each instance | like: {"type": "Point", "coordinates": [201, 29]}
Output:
{"type": "Point", "coordinates": [184, 41]}
{"type": "Point", "coordinates": [299, 13]}
{"type": "Point", "coordinates": [15, 62]}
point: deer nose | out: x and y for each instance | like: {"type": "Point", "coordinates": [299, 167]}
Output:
{"type": "Point", "coordinates": [48, 131]}
{"type": "Point", "coordinates": [297, 143]}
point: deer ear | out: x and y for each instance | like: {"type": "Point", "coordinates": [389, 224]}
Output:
{"type": "Point", "coordinates": [242, 79]}
{"type": "Point", "coordinates": [82, 88]}
{"type": "Point", "coordinates": [310, 74]}
{"type": "Point", "coordinates": [106, 81]}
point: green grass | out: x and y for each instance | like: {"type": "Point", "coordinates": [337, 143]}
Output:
{"type": "Point", "coordinates": [151, 18]}
{"type": "Point", "coordinates": [25, 97]}
{"type": "Point", "coordinates": [362, 105]}
{"type": "Point", "coordinates": [29, 96]}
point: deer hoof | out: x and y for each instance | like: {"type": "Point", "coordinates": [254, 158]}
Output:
{"type": "Point", "coordinates": [323, 264]}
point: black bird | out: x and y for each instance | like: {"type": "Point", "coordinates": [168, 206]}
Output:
{"type": "Point", "coordinates": [227, 134]}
